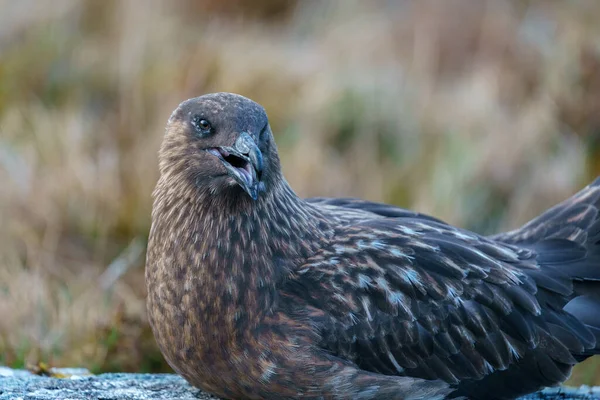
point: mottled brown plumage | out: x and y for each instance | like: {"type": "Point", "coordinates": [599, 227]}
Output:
{"type": "Point", "coordinates": [255, 293]}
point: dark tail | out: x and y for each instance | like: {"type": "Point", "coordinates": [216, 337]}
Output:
{"type": "Point", "coordinates": [575, 219]}
{"type": "Point", "coordinates": [567, 239]}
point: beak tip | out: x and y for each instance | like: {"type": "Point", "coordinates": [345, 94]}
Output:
{"type": "Point", "coordinates": [246, 148]}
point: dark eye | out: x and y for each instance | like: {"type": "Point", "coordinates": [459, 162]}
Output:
{"type": "Point", "coordinates": [201, 125]}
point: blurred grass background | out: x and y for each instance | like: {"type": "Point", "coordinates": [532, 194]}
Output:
{"type": "Point", "coordinates": [482, 113]}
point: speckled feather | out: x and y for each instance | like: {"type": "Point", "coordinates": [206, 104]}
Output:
{"type": "Point", "coordinates": [285, 298]}
{"type": "Point", "coordinates": [422, 298]}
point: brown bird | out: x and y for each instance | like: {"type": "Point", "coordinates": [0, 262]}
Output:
{"type": "Point", "coordinates": [255, 293]}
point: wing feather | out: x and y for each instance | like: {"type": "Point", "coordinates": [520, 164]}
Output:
{"type": "Point", "coordinates": [413, 296]}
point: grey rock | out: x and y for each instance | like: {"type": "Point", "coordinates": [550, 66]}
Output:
{"type": "Point", "coordinates": [104, 386]}
{"type": "Point", "coordinates": [79, 385]}
{"type": "Point", "coordinates": [8, 372]}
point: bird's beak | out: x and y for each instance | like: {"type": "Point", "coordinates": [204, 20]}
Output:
{"type": "Point", "coordinates": [244, 163]}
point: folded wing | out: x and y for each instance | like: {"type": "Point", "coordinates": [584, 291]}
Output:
{"type": "Point", "coordinates": [408, 295]}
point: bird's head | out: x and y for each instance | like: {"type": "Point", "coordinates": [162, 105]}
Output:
{"type": "Point", "coordinates": [223, 143]}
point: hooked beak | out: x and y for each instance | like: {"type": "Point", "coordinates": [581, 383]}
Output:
{"type": "Point", "coordinates": [244, 163]}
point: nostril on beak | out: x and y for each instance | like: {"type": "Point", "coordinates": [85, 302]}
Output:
{"type": "Point", "coordinates": [244, 143]}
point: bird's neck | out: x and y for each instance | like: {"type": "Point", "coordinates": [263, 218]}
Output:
{"type": "Point", "coordinates": [231, 246]}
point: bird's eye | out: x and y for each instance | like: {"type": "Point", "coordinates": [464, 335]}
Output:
{"type": "Point", "coordinates": [201, 125]}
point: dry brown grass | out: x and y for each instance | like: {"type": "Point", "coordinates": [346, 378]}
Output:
{"type": "Point", "coordinates": [481, 113]}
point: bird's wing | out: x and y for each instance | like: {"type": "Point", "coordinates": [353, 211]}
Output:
{"type": "Point", "coordinates": [368, 208]}
{"type": "Point", "coordinates": [414, 297]}
{"type": "Point", "coordinates": [570, 220]}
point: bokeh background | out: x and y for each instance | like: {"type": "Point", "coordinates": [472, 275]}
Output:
{"type": "Point", "coordinates": [483, 113]}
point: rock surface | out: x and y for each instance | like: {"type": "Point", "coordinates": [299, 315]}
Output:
{"type": "Point", "coordinates": [77, 385]}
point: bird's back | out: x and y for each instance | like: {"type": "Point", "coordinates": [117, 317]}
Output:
{"type": "Point", "coordinates": [497, 316]}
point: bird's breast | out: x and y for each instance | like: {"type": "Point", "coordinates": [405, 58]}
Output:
{"type": "Point", "coordinates": [205, 318]}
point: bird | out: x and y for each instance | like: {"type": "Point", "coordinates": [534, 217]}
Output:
{"type": "Point", "coordinates": [257, 293]}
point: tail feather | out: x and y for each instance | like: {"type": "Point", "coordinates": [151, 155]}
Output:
{"type": "Point", "coordinates": [567, 240]}
{"type": "Point", "coordinates": [587, 310]}
{"type": "Point", "coordinates": [574, 219]}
